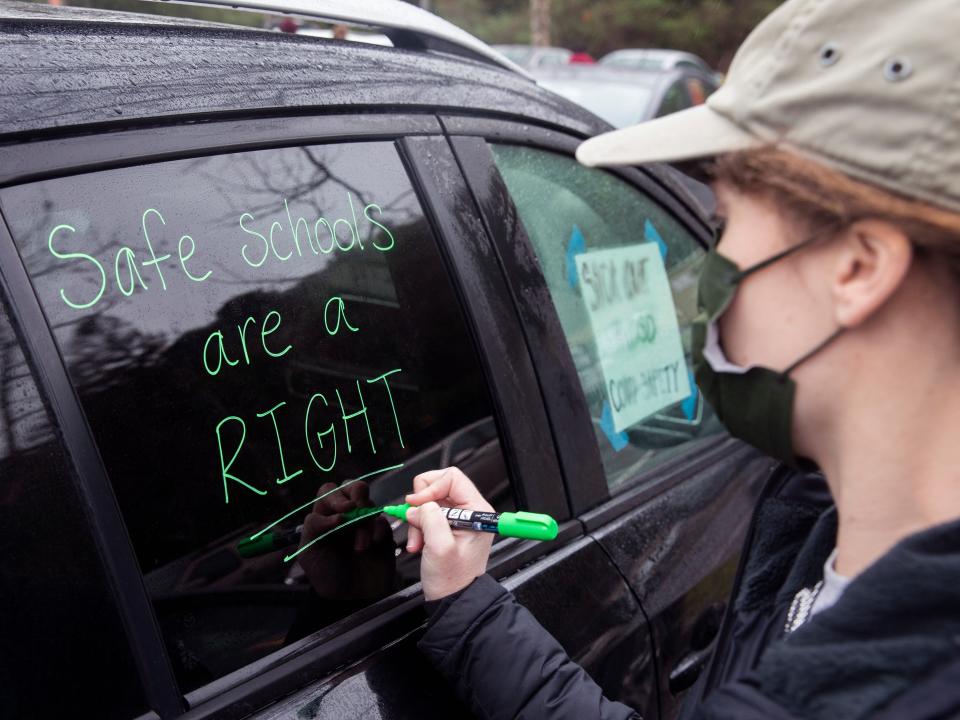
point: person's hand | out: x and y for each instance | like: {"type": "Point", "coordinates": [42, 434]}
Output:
{"type": "Point", "coordinates": [451, 558]}
{"type": "Point", "coordinates": [356, 562]}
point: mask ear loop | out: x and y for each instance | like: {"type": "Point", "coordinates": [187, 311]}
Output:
{"type": "Point", "coordinates": [786, 373]}
{"type": "Point", "coordinates": [771, 260]}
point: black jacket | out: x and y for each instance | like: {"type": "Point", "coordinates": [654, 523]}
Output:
{"type": "Point", "coordinates": [889, 648]}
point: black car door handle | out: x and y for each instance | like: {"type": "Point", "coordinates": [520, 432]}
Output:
{"type": "Point", "coordinates": [688, 669]}
{"type": "Point", "coordinates": [702, 642]}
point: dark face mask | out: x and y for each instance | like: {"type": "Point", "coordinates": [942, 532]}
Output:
{"type": "Point", "coordinates": [756, 403]}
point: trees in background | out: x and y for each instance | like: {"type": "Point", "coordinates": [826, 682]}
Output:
{"type": "Point", "coordinates": [540, 22]}
{"type": "Point", "coordinates": [712, 29]}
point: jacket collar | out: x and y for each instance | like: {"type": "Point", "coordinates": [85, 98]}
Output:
{"type": "Point", "coordinates": [896, 623]}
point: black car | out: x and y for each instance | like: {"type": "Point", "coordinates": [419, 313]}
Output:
{"type": "Point", "coordinates": [240, 268]}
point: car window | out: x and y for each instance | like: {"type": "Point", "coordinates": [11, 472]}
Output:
{"type": "Point", "coordinates": [62, 644]}
{"type": "Point", "coordinates": [620, 104]}
{"type": "Point", "coordinates": [634, 62]}
{"type": "Point", "coordinates": [674, 99]}
{"type": "Point", "coordinates": [247, 332]}
{"type": "Point", "coordinates": [622, 273]}
{"type": "Point", "coordinates": [697, 90]}
{"type": "Point", "coordinates": [552, 58]}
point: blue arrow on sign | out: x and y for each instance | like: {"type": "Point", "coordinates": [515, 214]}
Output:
{"type": "Point", "coordinates": [689, 405]}
{"type": "Point", "coordinates": [577, 245]}
{"type": "Point", "coordinates": [619, 440]}
{"type": "Point", "coordinates": [652, 235]}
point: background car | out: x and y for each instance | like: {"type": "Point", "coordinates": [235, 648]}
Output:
{"type": "Point", "coordinates": [352, 36]}
{"type": "Point", "coordinates": [658, 59]}
{"type": "Point", "coordinates": [238, 267]}
{"type": "Point", "coordinates": [627, 97]}
{"type": "Point", "coordinates": [532, 58]}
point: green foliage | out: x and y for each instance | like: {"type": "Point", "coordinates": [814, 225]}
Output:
{"type": "Point", "coordinates": [712, 29]}
{"type": "Point", "coordinates": [495, 21]}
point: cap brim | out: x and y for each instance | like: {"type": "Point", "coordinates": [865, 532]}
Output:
{"type": "Point", "coordinates": [698, 132]}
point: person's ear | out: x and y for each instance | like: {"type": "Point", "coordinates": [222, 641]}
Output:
{"type": "Point", "coordinates": [874, 258]}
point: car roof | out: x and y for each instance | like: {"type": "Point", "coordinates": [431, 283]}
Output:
{"type": "Point", "coordinates": [532, 48]}
{"type": "Point", "coordinates": [594, 73]}
{"type": "Point", "coordinates": [66, 68]}
{"type": "Point", "coordinates": [659, 53]}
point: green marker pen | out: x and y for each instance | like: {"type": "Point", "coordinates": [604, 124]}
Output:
{"type": "Point", "coordinates": [269, 542]}
{"type": "Point", "coordinates": [526, 525]}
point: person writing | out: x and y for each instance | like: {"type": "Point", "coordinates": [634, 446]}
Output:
{"type": "Point", "coordinates": [829, 337]}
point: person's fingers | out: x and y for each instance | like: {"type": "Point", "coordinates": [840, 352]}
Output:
{"type": "Point", "coordinates": [358, 493]}
{"type": "Point", "coordinates": [414, 539]}
{"type": "Point", "coordinates": [433, 524]}
{"type": "Point", "coordinates": [338, 502]}
{"type": "Point", "coordinates": [316, 524]}
{"type": "Point", "coordinates": [325, 488]}
{"type": "Point", "coordinates": [449, 485]}
{"type": "Point", "coordinates": [414, 536]}
{"type": "Point", "coordinates": [322, 505]}
{"type": "Point", "coordinates": [425, 478]}
{"type": "Point", "coordinates": [435, 486]}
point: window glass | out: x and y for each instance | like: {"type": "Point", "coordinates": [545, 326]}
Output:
{"type": "Point", "coordinates": [620, 104]}
{"type": "Point", "coordinates": [63, 652]}
{"type": "Point", "coordinates": [675, 99]}
{"type": "Point", "coordinates": [553, 58]}
{"type": "Point", "coordinates": [623, 276]}
{"type": "Point", "coordinates": [248, 332]}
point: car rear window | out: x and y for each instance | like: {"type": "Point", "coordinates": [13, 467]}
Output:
{"type": "Point", "coordinates": [622, 273]}
{"type": "Point", "coordinates": [247, 333]}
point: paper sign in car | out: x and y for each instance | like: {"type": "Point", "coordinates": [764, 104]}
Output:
{"type": "Point", "coordinates": [628, 298]}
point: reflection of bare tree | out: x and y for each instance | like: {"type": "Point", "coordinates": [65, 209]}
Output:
{"type": "Point", "coordinates": [299, 176]}
{"type": "Point", "coordinates": [104, 348]}
{"type": "Point", "coordinates": [281, 176]}
{"type": "Point", "coordinates": [138, 361]}
{"type": "Point", "coordinates": [35, 253]}
{"type": "Point", "coordinates": [23, 418]}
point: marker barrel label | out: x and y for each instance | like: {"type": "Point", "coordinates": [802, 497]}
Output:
{"type": "Point", "coordinates": [472, 519]}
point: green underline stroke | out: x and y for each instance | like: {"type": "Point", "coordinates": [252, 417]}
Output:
{"type": "Point", "coordinates": [321, 497]}
{"type": "Point", "coordinates": [342, 525]}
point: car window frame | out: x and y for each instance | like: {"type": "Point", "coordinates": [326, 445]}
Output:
{"type": "Point", "coordinates": [520, 416]}
{"type": "Point", "coordinates": [576, 444]}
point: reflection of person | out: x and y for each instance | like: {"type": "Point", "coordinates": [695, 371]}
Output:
{"type": "Point", "coordinates": [347, 569]}
{"type": "Point", "coordinates": [829, 337]}
{"type": "Point", "coordinates": [355, 562]}
{"type": "Point", "coordinates": [340, 32]}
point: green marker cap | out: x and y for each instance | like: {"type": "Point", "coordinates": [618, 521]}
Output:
{"type": "Point", "coordinates": [527, 525]}
{"type": "Point", "coordinates": [397, 511]}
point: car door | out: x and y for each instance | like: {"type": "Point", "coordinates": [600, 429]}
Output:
{"type": "Point", "coordinates": [233, 319]}
{"type": "Point", "coordinates": [603, 268]}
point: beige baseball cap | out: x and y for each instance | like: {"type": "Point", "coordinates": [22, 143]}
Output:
{"type": "Point", "coordinates": [869, 87]}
